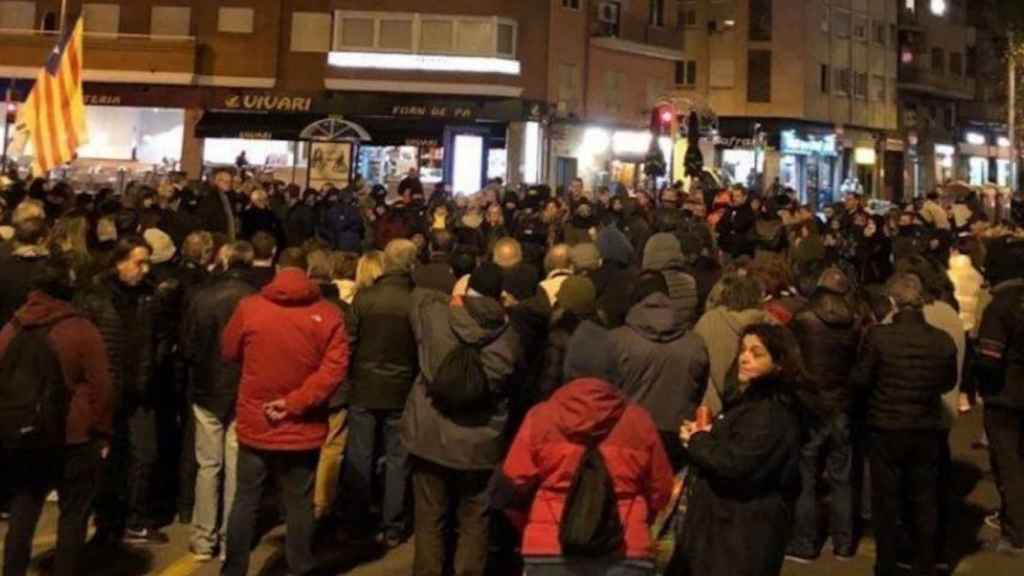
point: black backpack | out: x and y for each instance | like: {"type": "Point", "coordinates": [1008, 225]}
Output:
{"type": "Point", "coordinates": [460, 385]}
{"type": "Point", "coordinates": [33, 395]}
{"type": "Point", "coordinates": [590, 526]}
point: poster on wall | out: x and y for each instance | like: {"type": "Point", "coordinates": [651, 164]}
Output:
{"type": "Point", "coordinates": [330, 163]}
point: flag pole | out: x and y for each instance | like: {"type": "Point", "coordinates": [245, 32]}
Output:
{"type": "Point", "coordinates": [63, 15]}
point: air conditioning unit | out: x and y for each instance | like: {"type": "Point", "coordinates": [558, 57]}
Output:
{"type": "Point", "coordinates": [608, 12]}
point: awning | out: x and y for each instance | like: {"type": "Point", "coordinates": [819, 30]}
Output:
{"type": "Point", "coordinates": [384, 131]}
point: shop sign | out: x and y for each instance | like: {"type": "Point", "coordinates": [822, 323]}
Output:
{"type": "Point", "coordinates": [432, 111]}
{"type": "Point", "coordinates": [268, 103]}
{"type": "Point", "coordinates": [734, 142]}
{"type": "Point", "coordinates": [422, 142]}
{"type": "Point", "coordinates": [102, 100]}
{"type": "Point", "coordinates": [255, 136]}
{"type": "Point", "coordinates": [792, 144]}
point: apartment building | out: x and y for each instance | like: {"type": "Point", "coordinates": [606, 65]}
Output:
{"type": "Point", "coordinates": [805, 91]}
{"type": "Point", "coordinates": [455, 89]}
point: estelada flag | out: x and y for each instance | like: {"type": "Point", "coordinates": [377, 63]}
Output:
{"type": "Point", "coordinates": [53, 116]}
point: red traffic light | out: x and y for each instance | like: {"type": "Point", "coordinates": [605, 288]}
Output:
{"type": "Point", "coordinates": [666, 115]}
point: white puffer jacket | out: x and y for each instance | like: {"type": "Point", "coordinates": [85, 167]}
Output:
{"type": "Point", "coordinates": [969, 284]}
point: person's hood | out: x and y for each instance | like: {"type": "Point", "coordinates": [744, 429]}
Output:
{"type": "Point", "coordinates": [832, 309]}
{"type": "Point", "coordinates": [41, 309]}
{"type": "Point", "coordinates": [477, 319]}
{"type": "Point", "coordinates": [663, 252]}
{"type": "Point", "coordinates": [614, 246]}
{"type": "Point", "coordinates": [736, 321]}
{"type": "Point", "coordinates": [587, 408]}
{"type": "Point", "coordinates": [291, 287]}
{"type": "Point", "coordinates": [656, 319]}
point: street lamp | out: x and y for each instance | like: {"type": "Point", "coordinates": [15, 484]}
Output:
{"type": "Point", "coordinates": [938, 7]}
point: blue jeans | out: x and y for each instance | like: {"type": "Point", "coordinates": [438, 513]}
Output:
{"type": "Point", "coordinates": [371, 432]}
{"type": "Point", "coordinates": [828, 440]}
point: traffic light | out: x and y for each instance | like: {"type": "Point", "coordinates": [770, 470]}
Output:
{"type": "Point", "coordinates": [12, 112]}
{"type": "Point", "coordinates": [662, 118]}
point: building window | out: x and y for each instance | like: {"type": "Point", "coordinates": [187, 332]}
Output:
{"type": "Point", "coordinates": [910, 6]}
{"type": "Point", "coordinates": [687, 16]}
{"type": "Point", "coordinates": [971, 62]}
{"type": "Point", "coordinates": [571, 4]}
{"type": "Point", "coordinates": [311, 32]}
{"type": "Point", "coordinates": [843, 81]}
{"type": "Point", "coordinates": [20, 15]}
{"type": "Point", "coordinates": [860, 28]}
{"type": "Point", "coordinates": [938, 61]}
{"type": "Point", "coordinates": [686, 73]}
{"type": "Point", "coordinates": [759, 76]}
{"type": "Point", "coordinates": [841, 23]}
{"type": "Point", "coordinates": [761, 20]}
{"type": "Point", "coordinates": [824, 79]}
{"type": "Point", "coordinates": [956, 64]}
{"type": "Point", "coordinates": [102, 18]}
{"type": "Point", "coordinates": [614, 82]}
{"type": "Point", "coordinates": [878, 33]}
{"type": "Point", "coordinates": [949, 115]}
{"type": "Point", "coordinates": [860, 85]}
{"type": "Point", "coordinates": [170, 21]}
{"type": "Point", "coordinates": [236, 20]}
{"type": "Point", "coordinates": [657, 14]}
{"type": "Point", "coordinates": [878, 88]}
{"type": "Point", "coordinates": [432, 34]}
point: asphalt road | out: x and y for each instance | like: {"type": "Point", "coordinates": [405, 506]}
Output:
{"type": "Point", "coordinates": [973, 480]}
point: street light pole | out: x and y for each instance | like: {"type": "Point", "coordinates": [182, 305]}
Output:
{"type": "Point", "coordinates": [63, 15]}
{"type": "Point", "coordinates": [1011, 107]}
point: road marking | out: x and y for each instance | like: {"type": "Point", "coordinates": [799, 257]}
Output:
{"type": "Point", "coordinates": [183, 567]}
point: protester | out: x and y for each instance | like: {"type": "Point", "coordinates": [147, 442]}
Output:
{"type": "Point", "coordinates": [26, 259]}
{"type": "Point", "coordinates": [48, 326]}
{"type": "Point", "coordinates": [663, 254]}
{"type": "Point", "coordinates": [746, 464]}
{"type": "Point", "coordinates": [437, 273]}
{"type": "Point", "coordinates": [905, 367]}
{"type": "Point", "coordinates": [293, 353]}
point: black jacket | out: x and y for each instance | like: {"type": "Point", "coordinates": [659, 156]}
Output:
{"type": "Point", "coordinates": [1001, 347]}
{"type": "Point", "coordinates": [16, 276]}
{"type": "Point", "coordinates": [435, 275]}
{"type": "Point", "coordinates": [213, 382]}
{"type": "Point", "coordinates": [746, 478]}
{"type": "Point", "coordinates": [829, 334]}
{"type": "Point", "coordinates": [257, 220]}
{"type": "Point", "coordinates": [299, 224]}
{"type": "Point", "coordinates": [128, 319]}
{"type": "Point", "coordinates": [905, 368]}
{"type": "Point", "coordinates": [214, 213]}
{"type": "Point", "coordinates": [384, 361]}
{"type": "Point", "coordinates": [734, 230]}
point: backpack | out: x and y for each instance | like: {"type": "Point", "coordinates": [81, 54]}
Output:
{"type": "Point", "coordinates": [590, 526]}
{"type": "Point", "coordinates": [460, 385]}
{"type": "Point", "coordinates": [33, 395]}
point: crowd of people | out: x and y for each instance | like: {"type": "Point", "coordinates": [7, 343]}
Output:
{"type": "Point", "coordinates": [533, 381]}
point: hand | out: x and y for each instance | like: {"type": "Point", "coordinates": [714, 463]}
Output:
{"type": "Point", "coordinates": [687, 430]}
{"type": "Point", "coordinates": [104, 450]}
{"type": "Point", "coordinates": [275, 411]}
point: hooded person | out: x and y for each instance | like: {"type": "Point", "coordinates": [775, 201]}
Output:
{"type": "Point", "coordinates": [577, 302]}
{"type": "Point", "coordinates": [548, 449]}
{"type": "Point", "coordinates": [664, 366]}
{"type": "Point", "coordinates": [664, 254]}
{"type": "Point", "coordinates": [453, 456]}
{"type": "Point", "coordinates": [579, 228]}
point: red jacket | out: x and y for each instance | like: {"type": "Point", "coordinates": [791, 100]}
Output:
{"type": "Point", "coordinates": [548, 448]}
{"type": "Point", "coordinates": [83, 359]}
{"type": "Point", "coordinates": [292, 345]}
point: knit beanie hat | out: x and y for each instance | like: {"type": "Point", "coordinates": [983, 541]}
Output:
{"type": "Point", "coordinates": [662, 251]}
{"type": "Point", "coordinates": [161, 244]}
{"type": "Point", "coordinates": [578, 296]}
{"type": "Point", "coordinates": [585, 256]}
{"type": "Point", "coordinates": [589, 354]}
{"type": "Point", "coordinates": [486, 280]}
{"type": "Point", "coordinates": [614, 246]}
{"type": "Point", "coordinates": [650, 282]}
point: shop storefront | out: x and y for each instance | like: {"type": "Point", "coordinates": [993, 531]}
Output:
{"type": "Point", "coordinates": [808, 163]}
{"type": "Point", "coordinates": [945, 163]}
{"type": "Point", "coordinates": [986, 157]}
{"type": "Point", "coordinates": [605, 156]}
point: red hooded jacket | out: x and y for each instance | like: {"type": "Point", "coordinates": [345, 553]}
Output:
{"type": "Point", "coordinates": [292, 346]}
{"type": "Point", "coordinates": [83, 359]}
{"type": "Point", "coordinates": [548, 448]}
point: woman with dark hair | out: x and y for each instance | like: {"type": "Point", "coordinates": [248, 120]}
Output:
{"type": "Point", "coordinates": [746, 465]}
{"type": "Point", "coordinates": [873, 254]}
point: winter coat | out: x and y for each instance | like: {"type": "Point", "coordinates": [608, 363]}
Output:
{"type": "Point", "coordinates": [745, 477]}
{"type": "Point", "coordinates": [904, 369]}
{"type": "Point", "coordinates": [435, 275]}
{"type": "Point", "coordinates": [552, 373]}
{"type": "Point", "coordinates": [262, 220]}
{"type": "Point", "coordinates": [664, 369]}
{"type": "Point", "coordinates": [292, 346]}
{"type": "Point", "coordinates": [934, 214]}
{"type": "Point", "coordinates": [342, 227]}
{"type": "Point", "coordinates": [128, 319]}
{"type": "Point", "coordinates": [664, 255]}
{"type": "Point", "coordinates": [615, 247]}
{"type": "Point", "coordinates": [299, 224]}
{"type": "Point", "coordinates": [614, 286]}
{"type": "Point", "coordinates": [216, 215]}
{"type": "Point", "coordinates": [828, 331]}
{"type": "Point", "coordinates": [549, 445]}
{"type": "Point", "coordinates": [473, 444]}
{"type": "Point", "coordinates": [968, 285]}
{"type": "Point", "coordinates": [734, 231]}
{"type": "Point", "coordinates": [1001, 347]}
{"type": "Point", "coordinates": [391, 226]}
{"type": "Point", "coordinates": [874, 258]}
{"type": "Point", "coordinates": [213, 382]}
{"type": "Point", "coordinates": [720, 330]}
{"type": "Point", "coordinates": [83, 360]}
{"type": "Point", "coordinates": [384, 363]}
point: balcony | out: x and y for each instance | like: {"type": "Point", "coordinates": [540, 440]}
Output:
{"type": "Point", "coordinates": [915, 78]}
{"type": "Point", "coordinates": [129, 58]}
{"type": "Point", "coordinates": [634, 30]}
